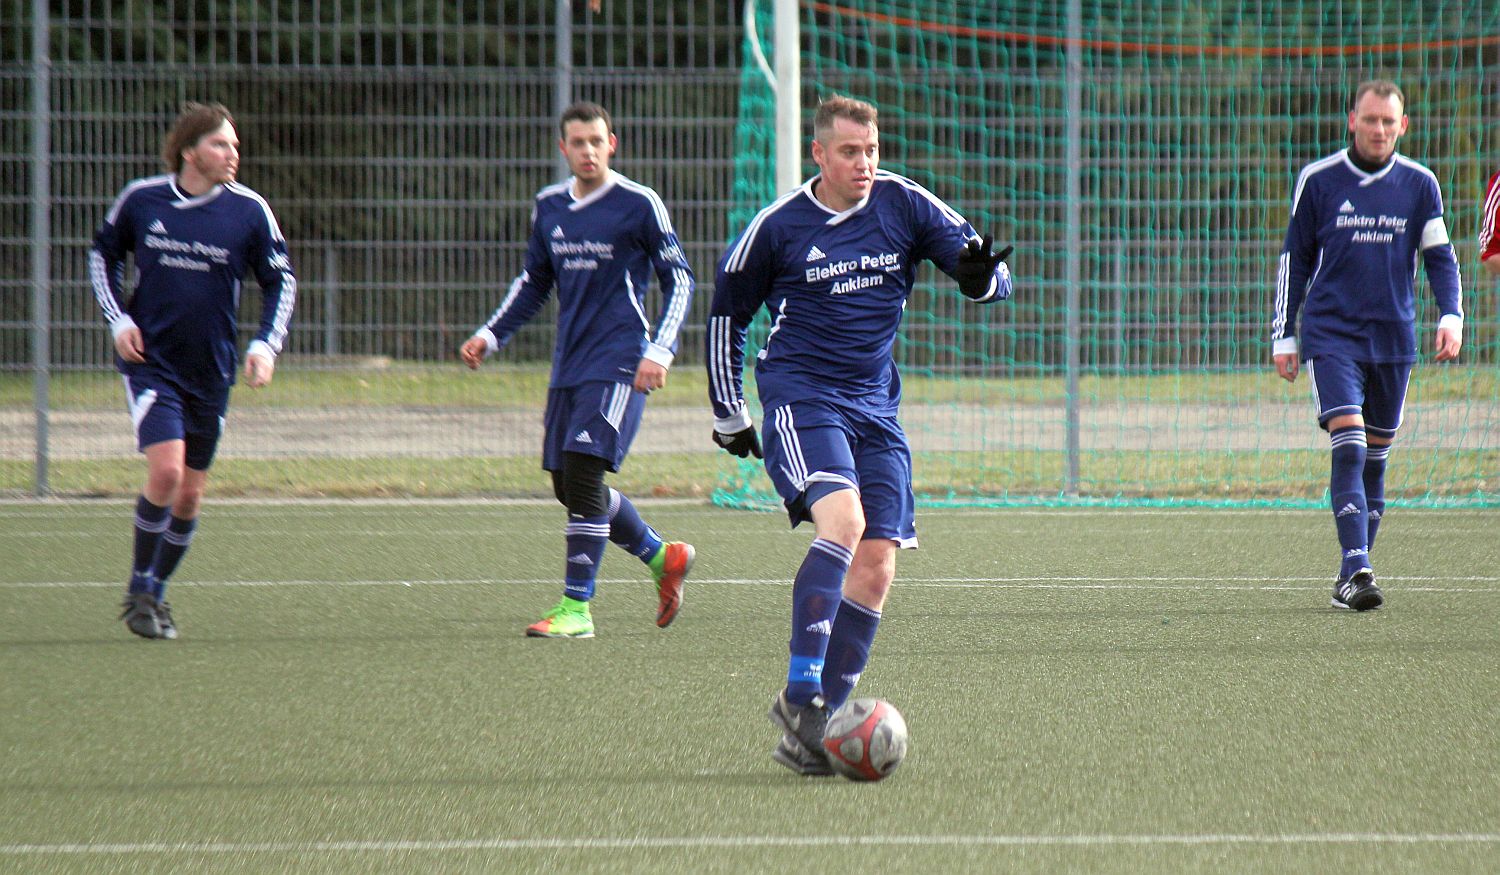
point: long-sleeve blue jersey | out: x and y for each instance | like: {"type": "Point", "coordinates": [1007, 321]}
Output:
{"type": "Point", "coordinates": [1350, 260]}
{"type": "Point", "coordinates": [600, 250]}
{"type": "Point", "coordinates": [191, 254]}
{"type": "Point", "coordinates": [835, 285]}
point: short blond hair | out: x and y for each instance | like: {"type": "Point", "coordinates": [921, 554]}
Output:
{"type": "Point", "coordinates": [1380, 88]}
{"type": "Point", "coordinates": [841, 107]}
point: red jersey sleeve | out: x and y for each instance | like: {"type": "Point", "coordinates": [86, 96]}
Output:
{"type": "Point", "coordinates": [1489, 228]}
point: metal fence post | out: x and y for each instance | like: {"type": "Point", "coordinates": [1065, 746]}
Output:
{"type": "Point", "coordinates": [41, 228]}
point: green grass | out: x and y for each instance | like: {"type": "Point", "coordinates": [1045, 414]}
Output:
{"type": "Point", "coordinates": [669, 475]}
{"type": "Point", "coordinates": [383, 382]}
{"type": "Point", "coordinates": [1087, 691]}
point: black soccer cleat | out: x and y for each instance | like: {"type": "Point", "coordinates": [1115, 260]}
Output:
{"type": "Point", "coordinates": [790, 753]}
{"type": "Point", "coordinates": [164, 620]}
{"type": "Point", "coordinates": [1357, 592]}
{"type": "Point", "coordinates": [140, 614]}
{"type": "Point", "coordinates": [801, 747]}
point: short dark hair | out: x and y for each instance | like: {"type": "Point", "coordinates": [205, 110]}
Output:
{"type": "Point", "coordinates": [841, 107]}
{"type": "Point", "coordinates": [196, 121]}
{"type": "Point", "coordinates": [1381, 88]}
{"type": "Point", "coordinates": [584, 111]}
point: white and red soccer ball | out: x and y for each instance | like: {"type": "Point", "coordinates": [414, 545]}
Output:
{"type": "Point", "coordinates": [865, 740]}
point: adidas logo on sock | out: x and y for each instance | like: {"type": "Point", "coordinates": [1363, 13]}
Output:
{"type": "Point", "coordinates": [583, 437]}
{"type": "Point", "coordinates": [815, 254]}
{"type": "Point", "coordinates": [1374, 515]}
{"type": "Point", "coordinates": [157, 227]}
{"type": "Point", "coordinates": [1357, 551]}
{"type": "Point", "coordinates": [557, 233]}
{"type": "Point", "coordinates": [580, 559]}
{"type": "Point", "coordinates": [1348, 509]}
{"type": "Point", "coordinates": [1346, 207]}
{"type": "Point", "coordinates": [851, 679]}
{"type": "Point", "coordinates": [822, 627]}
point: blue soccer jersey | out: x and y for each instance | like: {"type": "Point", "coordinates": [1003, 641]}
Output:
{"type": "Point", "coordinates": [600, 251]}
{"type": "Point", "coordinates": [191, 254]}
{"type": "Point", "coordinates": [1350, 259]}
{"type": "Point", "coordinates": [835, 285]}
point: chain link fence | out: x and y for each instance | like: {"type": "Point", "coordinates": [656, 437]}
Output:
{"type": "Point", "coordinates": [400, 147]}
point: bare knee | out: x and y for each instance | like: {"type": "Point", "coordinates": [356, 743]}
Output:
{"type": "Point", "coordinates": [189, 494]}
{"type": "Point", "coordinates": [164, 483]}
{"type": "Point", "coordinates": [871, 573]}
{"type": "Point", "coordinates": [1348, 420]}
{"type": "Point", "coordinates": [839, 518]}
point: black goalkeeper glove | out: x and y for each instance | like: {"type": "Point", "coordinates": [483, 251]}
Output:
{"type": "Point", "coordinates": [976, 265]}
{"type": "Point", "coordinates": [742, 443]}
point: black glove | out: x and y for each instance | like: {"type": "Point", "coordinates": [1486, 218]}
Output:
{"type": "Point", "coordinates": [742, 443]}
{"type": "Point", "coordinates": [976, 265]}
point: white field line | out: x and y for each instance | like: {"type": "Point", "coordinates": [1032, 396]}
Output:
{"type": "Point", "coordinates": [747, 841]}
{"type": "Point", "coordinates": [1216, 584]}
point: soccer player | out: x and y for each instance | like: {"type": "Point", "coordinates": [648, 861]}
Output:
{"type": "Point", "coordinates": [1361, 219]}
{"type": "Point", "coordinates": [598, 236]}
{"type": "Point", "coordinates": [833, 262]}
{"type": "Point", "coordinates": [1489, 228]}
{"type": "Point", "coordinates": [194, 233]}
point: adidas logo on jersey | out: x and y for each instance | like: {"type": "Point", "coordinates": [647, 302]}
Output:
{"type": "Point", "coordinates": [1346, 207]}
{"type": "Point", "coordinates": [157, 227]}
{"type": "Point", "coordinates": [579, 559]}
{"type": "Point", "coordinates": [1350, 508]}
{"type": "Point", "coordinates": [815, 254]}
{"type": "Point", "coordinates": [822, 627]}
{"type": "Point", "coordinates": [557, 233]}
{"type": "Point", "coordinates": [583, 438]}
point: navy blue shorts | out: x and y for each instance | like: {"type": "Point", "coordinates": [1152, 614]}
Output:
{"type": "Point", "coordinates": [812, 443]}
{"type": "Point", "coordinates": [1375, 390]}
{"type": "Point", "coordinates": [596, 419]}
{"type": "Point", "coordinates": [162, 412]}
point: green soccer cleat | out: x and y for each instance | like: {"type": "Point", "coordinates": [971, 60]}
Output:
{"type": "Point", "coordinates": [569, 618]}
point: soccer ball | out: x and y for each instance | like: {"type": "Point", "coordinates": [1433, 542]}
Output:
{"type": "Point", "coordinates": [865, 739]}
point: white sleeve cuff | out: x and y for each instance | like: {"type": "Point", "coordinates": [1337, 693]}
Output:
{"type": "Point", "coordinates": [1434, 233]}
{"type": "Point", "coordinates": [121, 325]}
{"type": "Point", "coordinates": [1452, 320]}
{"type": "Point", "coordinates": [737, 422]}
{"type": "Point", "coordinates": [1284, 346]}
{"type": "Point", "coordinates": [491, 345]}
{"type": "Point", "coordinates": [659, 354]}
{"type": "Point", "coordinates": [260, 348]}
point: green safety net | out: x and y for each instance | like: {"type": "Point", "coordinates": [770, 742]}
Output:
{"type": "Point", "coordinates": [1133, 366]}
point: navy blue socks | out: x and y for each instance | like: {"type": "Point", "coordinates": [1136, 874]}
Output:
{"type": "Point", "coordinates": [1375, 459]}
{"type": "Point", "coordinates": [586, 539]}
{"type": "Point", "coordinates": [1346, 489]}
{"type": "Point", "coordinates": [627, 529]}
{"type": "Point", "coordinates": [174, 543]}
{"type": "Point", "coordinates": [150, 523]}
{"type": "Point", "coordinates": [848, 651]}
{"type": "Point", "coordinates": [816, 593]}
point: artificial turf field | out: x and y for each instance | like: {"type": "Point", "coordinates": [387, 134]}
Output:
{"type": "Point", "coordinates": [1087, 690]}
